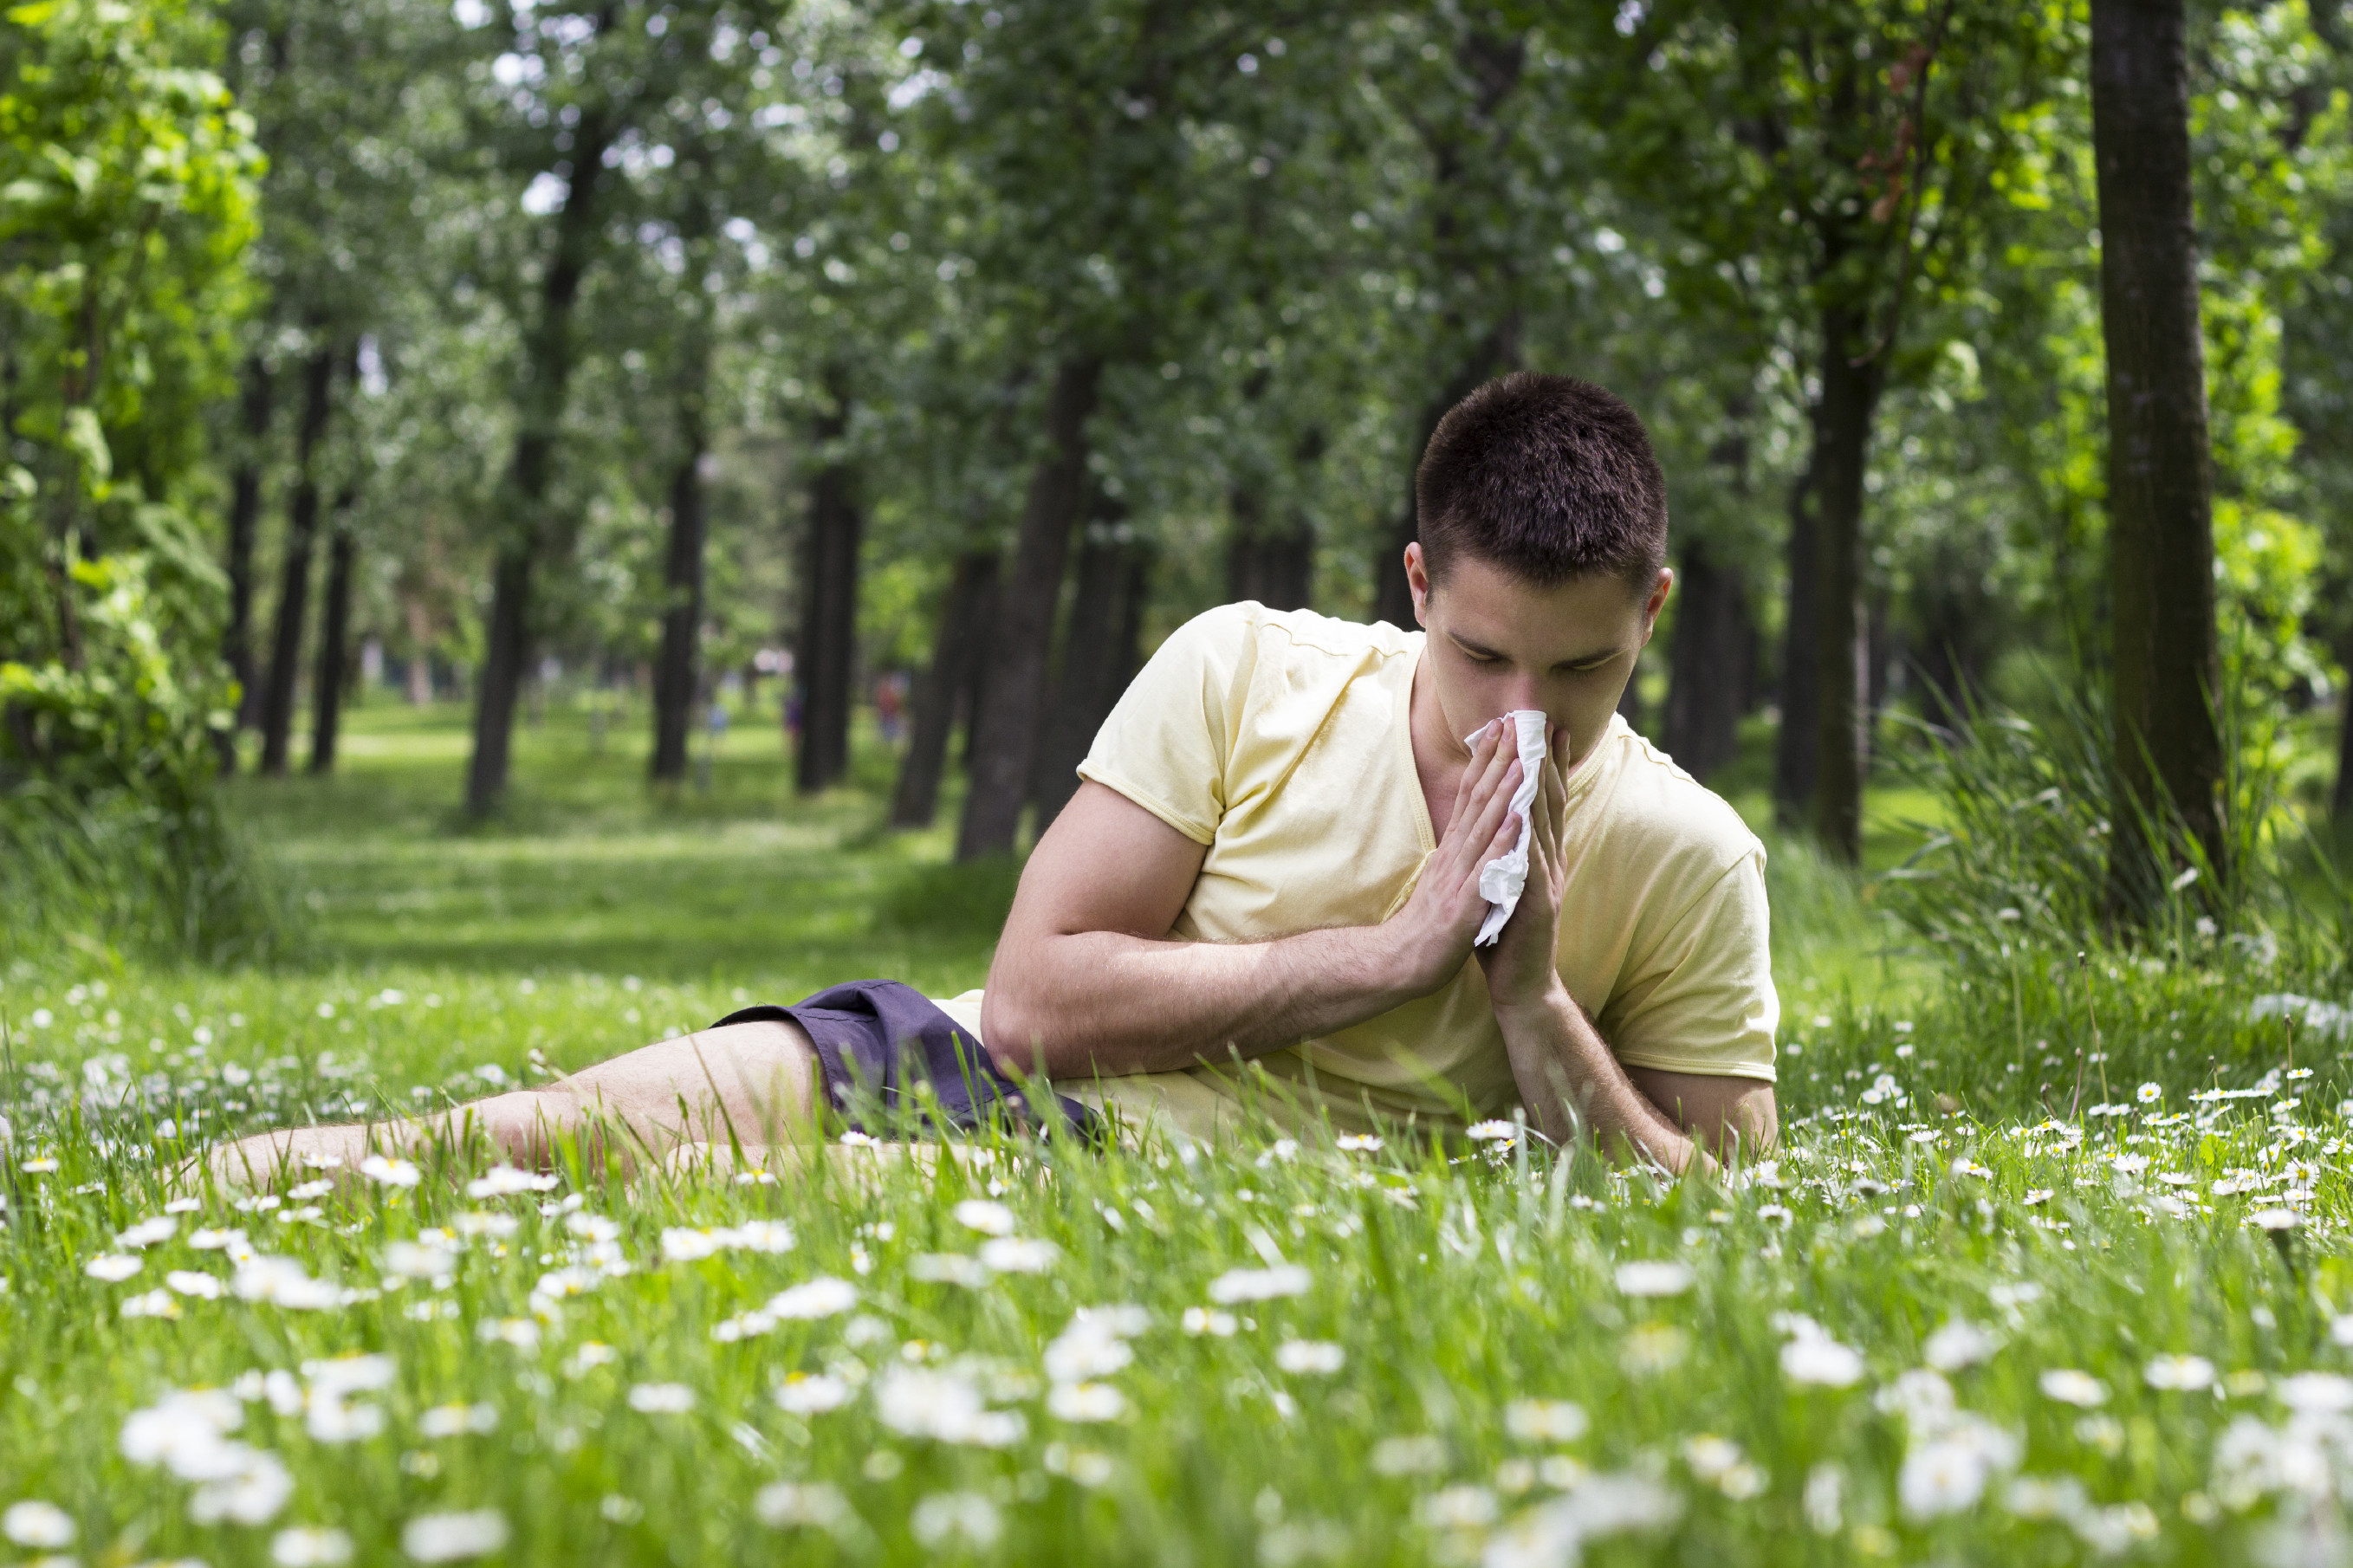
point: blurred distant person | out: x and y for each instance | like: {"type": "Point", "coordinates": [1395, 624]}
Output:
{"type": "Point", "coordinates": [891, 706]}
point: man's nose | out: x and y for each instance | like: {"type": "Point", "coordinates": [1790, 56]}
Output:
{"type": "Point", "coordinates": [1520, 693]}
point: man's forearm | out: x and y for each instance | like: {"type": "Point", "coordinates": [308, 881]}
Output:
{"type": "Point", "coordinates": [1127, 1005]}
{"type": "Point", "coordinates": [1572, 1083]}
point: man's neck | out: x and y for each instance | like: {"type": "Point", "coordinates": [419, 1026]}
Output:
{"type": "Point", "coordinates": [1439, 755]}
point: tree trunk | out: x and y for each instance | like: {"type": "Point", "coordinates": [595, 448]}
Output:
{"type": "Point", "coordinates": [678, 667]}
{"type": "Point", "coordinates": [244, 526]}
{"type": "Point", "coordinates": [328, 682]}
{"type": "Point", "coordinates": [294, 576]}
{"type": "Point", "coordinates": [1099, 657]}
{"type": "Point", "coordinates": [1795, 759]}
{"type": "Point", "coordinates": [550, 353]}
{"type": "Point", "coordinates": [2168, 750]}
{"type": "Point", "coordinates": [972, 696]}
{"type": "Point", "coordinates": [1276, 566]}
{"type": "Point", "coordinates": [1708, 667]}
{"type": "Point", "coordinates": [1269, 560]}
{"type": "Point", "coordinates": [2341, 804]}
{"type": "Point", "coordinates": [420, 658]}
{"type": "Point", "coordinates": [1006, 723]}
{"type": "Point", "coordinates": [825, 658]}
{"type": "Point", "coordinates": [1497, 352]}
{"type": "Point", "coordinates": [1841, 446]}
{"type": "Point", "coordinates": [939, 687]}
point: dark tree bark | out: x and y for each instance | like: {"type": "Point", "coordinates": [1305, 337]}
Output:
{"type": "Point", "coordinates": [1273, 560]}
{"type": "Point", "coordinates": [1274, 566]}
{"type": "Point", "coordinates": [330, 679]}
{"type": "Point", "coordinates": [972, 694]}
{"type": "Point", "coordinates": [550, 350]}
{"type": "Point", "coordinates": [2341, 804]}
{"type": "Point", "coordinates": [1955, 625]}
{"type": "Point", "coordinates": [1841, 446]}
{"type": "Point", "coordinates": [2168, 750]}
{"type": "Point", "coordinates": [678, 667]}
{"type": "Point", "coordinates": [1098, 659]}
{"type": "Point", "coordinates": [244, 528]}
{"type": "Point", "coordinates": [1496, 352]}
{"type": "Point", "coordinates": [1795, 758]}
{"type": "Point", "coordinates": [294, 575]}
{"type": "Point", "coordinates": [1493, 62]}
{"type": "Point", "coordinates": [1005, 725]}
{"type": "Point", "coordinates": [825, 660]}
{"type": "Point", "coordinates": [940, 685]}
{"type": "Point", "coordinates": [1708, 665]}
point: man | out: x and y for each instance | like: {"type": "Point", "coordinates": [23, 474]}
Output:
{"type": "Point", "coordinates": [1265, 892]}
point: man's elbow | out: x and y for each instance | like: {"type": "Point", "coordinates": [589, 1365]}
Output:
{"type": "Point", "coordinates": [1013, 1031]}
{"type": "Point", "coordinates": [1743, 1130]}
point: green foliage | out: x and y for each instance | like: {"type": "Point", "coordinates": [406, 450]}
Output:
{"type": "Point", "coordinates": [137, 708]}
{"type": "Point", "coordinates": [96, 879]}
{"type": "Point", "coordinates": [125, 201]}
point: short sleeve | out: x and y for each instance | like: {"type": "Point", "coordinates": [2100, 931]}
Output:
{"type": "Point", "coordinates": [1701, 998]}
{"type": "Point", "coordinates": [1167, 741]}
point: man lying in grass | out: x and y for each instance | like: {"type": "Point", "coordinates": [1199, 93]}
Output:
{"type": "Point", "coordinates": [1266, 889]}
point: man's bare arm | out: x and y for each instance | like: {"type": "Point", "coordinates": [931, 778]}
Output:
{"type": "Point", "coordinates": [1725, 1116]}
{"type": "Point", "coordinates": [1087, 980]}
{"type": "Point", "coordinates": [1573, 1084]}
{"type": "Point", "coordinates": [1568, 1076]}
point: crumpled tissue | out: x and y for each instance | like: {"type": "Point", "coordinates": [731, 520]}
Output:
{"type": "Point", "coordinates": [1501, 879]}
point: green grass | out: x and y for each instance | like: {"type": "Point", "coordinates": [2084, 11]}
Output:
{"type": "Point", "coordinates": [1452, 1287]}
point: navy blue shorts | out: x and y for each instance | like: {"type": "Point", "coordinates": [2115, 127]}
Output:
{"type": "Point", "coordinates": [878, 1040]}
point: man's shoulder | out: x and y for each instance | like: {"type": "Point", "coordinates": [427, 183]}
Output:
{"type": "Point", "coordinates": [1658, 811]}
{"type": "Point", "coordinates": [1303, 634]}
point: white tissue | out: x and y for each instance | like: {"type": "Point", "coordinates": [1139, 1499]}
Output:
{"type": "Point", "coordinates": [1501, 879]}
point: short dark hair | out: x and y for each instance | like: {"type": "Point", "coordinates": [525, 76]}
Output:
{"type": "Point", "coordinates": [1547, 477]}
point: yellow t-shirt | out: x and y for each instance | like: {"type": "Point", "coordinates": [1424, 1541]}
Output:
{"type": "Point", "coordinates": [1280, 741]}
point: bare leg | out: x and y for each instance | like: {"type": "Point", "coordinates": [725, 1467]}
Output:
{"type": "Point", "coordinates": [751, 1083]}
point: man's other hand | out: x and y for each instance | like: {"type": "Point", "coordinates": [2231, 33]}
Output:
{"type": "Point", "coordinates": [1524, 965]}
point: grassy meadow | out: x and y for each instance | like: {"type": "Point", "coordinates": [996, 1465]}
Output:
{"type": "Point", "coordinates": [2049, 1267]}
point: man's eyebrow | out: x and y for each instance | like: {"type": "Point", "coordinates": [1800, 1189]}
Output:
{"type": "Point", "coordinates": [1480, 650]}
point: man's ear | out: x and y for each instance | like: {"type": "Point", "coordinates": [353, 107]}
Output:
{"type": "Point", "coordinates": [1417, 579]}
{"type": "Point", "coordinates": [1659, 589]}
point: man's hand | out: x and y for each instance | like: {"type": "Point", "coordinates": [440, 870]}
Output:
{"type": "Point", "coordinates": [1568, 1078]}
{"type": "Point", "coordinates": [1434, 930]}
{"type": "Point", "coordinates": [1524, 966]}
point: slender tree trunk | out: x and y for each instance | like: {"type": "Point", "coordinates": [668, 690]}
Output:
{"type": "Point", "coordinates": [420, 660]}
{"type": "Point", "coordinates": [971, 695]}
{"type": "Point", "coordinates": [1795, 758]}
{"type": "Point", "coordinates": [1099, 655]}
{"type": "Point", "coordinates": [2341, 804]}
{"type": "Point", "coordinates": [2169, 749]}
{"type": "Point", "coordinates": [955, 648]}
{"type": "Point", "coordinates": [1272, 564]}
{"type": "Point", "coordinates": [1268, 559]}
{"type": "Point", "coordinates": [550, 353]}
{"type": "Point", "coordinates": [1006, 723]}
{"type": "Point", "coordinates": [1841, 446]}
{"type": "Point", "coordinates": [328, 681]}
{"type": "Point", "coordinates": [1496, 352]}
{"type": "Point", "coordinates": [678, 667]}
{"type": "Point", "coordinates": [294, 576]}
{"type": "Point", "coordinates": [1707, 668]}
{"type": "Point", "coordinates": [244, 527]}
{"type": "Point", "coordinates": [826, 661]}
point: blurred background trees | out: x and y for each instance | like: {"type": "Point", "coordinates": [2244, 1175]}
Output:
{"type": "Point", "coordinates": [919, 365]}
